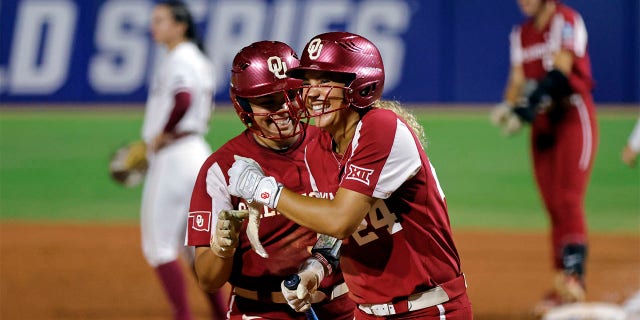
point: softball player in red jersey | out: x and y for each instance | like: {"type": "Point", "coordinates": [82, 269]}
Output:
{"type": "Point", "coordinates": [550, 50]}
{"type": "Point", "coordinates": [398, 257]}
{"type": "Point", "coordinates": [175, 122]}
{"type": "Point", "coordinates": [267, 103]}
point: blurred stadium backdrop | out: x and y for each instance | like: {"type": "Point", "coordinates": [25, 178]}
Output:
{"type": "Point", "coordinates": [73, 80]}
{"type": "Point", "coordinates": [434, 51]}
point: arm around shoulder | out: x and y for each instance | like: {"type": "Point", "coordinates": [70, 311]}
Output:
{"type": "Point", "coordinates": [339, 217]}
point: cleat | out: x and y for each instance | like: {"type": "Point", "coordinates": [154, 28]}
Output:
{"type": "Point", "coordinates": [567, 289]}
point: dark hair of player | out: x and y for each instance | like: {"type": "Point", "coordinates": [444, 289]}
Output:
{"type": "Point", "coordinates": [181, 14]}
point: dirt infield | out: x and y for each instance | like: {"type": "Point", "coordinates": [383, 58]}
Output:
{"type": "Point", "coordinates": [97, 272]}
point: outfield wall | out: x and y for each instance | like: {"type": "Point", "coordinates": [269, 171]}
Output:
{"type": "Point", "coordinates": [87, 51]}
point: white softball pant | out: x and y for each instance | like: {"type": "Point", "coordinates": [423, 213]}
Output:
{"type": "Point", "coordinates": [165, 198]}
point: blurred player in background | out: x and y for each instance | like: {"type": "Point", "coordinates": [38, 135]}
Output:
{"type": "Point", "coordinates": [176, 119]}
{"type": "Point", "coordinates": [268, 104]}
{"type": "Point", "coordinates": [398, 257]}
{"type": "Point", "coordinates": [550, 63]}
{"type": "Point", "coordinates": [630, 151]}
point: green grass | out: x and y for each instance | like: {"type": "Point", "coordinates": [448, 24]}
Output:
{"type": "Point", "coordinates": [53, 166]}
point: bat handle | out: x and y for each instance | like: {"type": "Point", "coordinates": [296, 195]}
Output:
{"type": "Point", "coordinates": [292, 283]}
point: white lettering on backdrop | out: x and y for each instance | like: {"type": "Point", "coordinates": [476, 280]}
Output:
{"type": "Point", "coordinates": [123, 53]}
{"type": "Point", "coordinates": [41, 49]}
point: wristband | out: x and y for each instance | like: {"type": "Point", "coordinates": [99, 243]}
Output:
{"type": "Point", "coordinates": [324, 262]}
{"type": "Point", "coordinates": [315, 266]}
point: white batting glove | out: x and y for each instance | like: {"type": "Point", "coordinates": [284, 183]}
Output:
{"type": "Point", "coordinates": [301, 298]}
{"type": "Point", "coordinates": [247, 180]}
{"type": "Point", "coordinates": [500, 113]}
{"type": "Point", "coordinates": [224, 240]}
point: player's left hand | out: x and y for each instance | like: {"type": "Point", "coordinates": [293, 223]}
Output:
{"type": "Point", "coordinates": [128, 165]}
{"type": "Point", "coordinates": [247, 180]}
{"type": "Point", "coordinates": [305, 294]}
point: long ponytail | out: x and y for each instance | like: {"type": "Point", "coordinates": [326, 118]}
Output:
{"type": "Point", "coordinates": [405, 114]}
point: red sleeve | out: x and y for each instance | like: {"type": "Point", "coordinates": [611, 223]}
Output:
{"type": "Point", "coordinates": [199, 224]}
{"type": "Point", "coordinates": [182, 102]}
{"type": "Point", "coordinates": [381, 160]}
{"type": "Point", "coordinates": [370, 151]}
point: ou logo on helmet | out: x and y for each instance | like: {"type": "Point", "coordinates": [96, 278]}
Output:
{"type": "Point", "coordinates": [315, 46]}
{"type": "Point", "coordinates": [277, 67]}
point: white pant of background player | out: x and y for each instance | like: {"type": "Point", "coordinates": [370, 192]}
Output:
{"type": "Point", "coordinates": [166, 196]}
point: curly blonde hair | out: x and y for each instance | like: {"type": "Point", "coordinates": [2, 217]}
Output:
{"type": "Point", "coordinates": [405, 114]}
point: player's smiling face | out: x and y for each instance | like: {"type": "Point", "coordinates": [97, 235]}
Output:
{"type": "Point", "coordinates": [272, 115]}
{"type": "Point", "coordinates": [323, 94]}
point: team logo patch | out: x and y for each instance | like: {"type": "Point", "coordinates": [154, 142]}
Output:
{"type": "Point", "coordinates": [315, 46]}
{"type": "Point", "coordinates": [277, 67]}
{"type": "Point", "coordinates": [200, 220]}
{"type": "Point", "coordinates": [359, 174]}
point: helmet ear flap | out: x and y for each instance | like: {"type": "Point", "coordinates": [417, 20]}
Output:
{"type": "Point", "coordinates": [246, 107]}
{"type": "Point", "coordinates": [246, 119]}
{"type": "Point", "coordinates": [364, 94]}
{"type": "Point", "coordinates": [243, 109]}
{"type": "Point", "coordinates": [366, 91]}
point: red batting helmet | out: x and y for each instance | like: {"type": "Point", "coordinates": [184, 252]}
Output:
{"type": "Point", "coordinates": [346, 53]}
{"type": "Point", "coordinates": [259, 70]}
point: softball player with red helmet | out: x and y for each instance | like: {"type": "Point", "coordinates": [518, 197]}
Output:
{"type": "Point", "coordinates": [398, 256]}
{"type": "Point", "coordinates": [268, 103]}
{"type": "Point", "coordinates": [176, 119]}
{"type": "Point", "coordinates": [549, 56]}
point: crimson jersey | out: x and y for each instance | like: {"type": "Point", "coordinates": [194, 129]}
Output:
{"type": "Point", "coordinates": [563, 143]}
{"type": "Point", "coordinates": [534, 49]}
{"type": "Point", "coordinates": [286, 242]}
{"type": "Point", "coordinates": [405, 244]}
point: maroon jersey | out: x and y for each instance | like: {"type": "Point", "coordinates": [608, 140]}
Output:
{"type": "Point", "coordinates": [286, 242]}
{"type": "Point", "coordinates": [563, 146]}
{"type": "Point", "coordinates": [404, 244]}
{"type": "Point", "coordinates": [534, 49]}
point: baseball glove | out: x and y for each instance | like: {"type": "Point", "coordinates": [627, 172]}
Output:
{"type": "Point", "coordinates": [128, 165]}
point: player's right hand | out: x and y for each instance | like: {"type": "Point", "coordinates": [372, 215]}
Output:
{"type": "Point", "coordinates": [628, 156]}
{"type": "Point", "coordinates": [503, 116]}
{"type": "Point", "coordinates": [306, 293]}
{"type": "Point", "coordinates": [512, 125]}
{"type": "Point", "coordinates": [500, 113]}
{"type": "Point", "coordinates": [224, 240]}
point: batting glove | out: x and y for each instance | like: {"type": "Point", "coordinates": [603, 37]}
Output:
{"type": "Point", "coordinates": [224, 240]}
{"type": "Point", "coordinates": [246, 180]}
{"type": "Point", "coordinates": [307, 291]}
